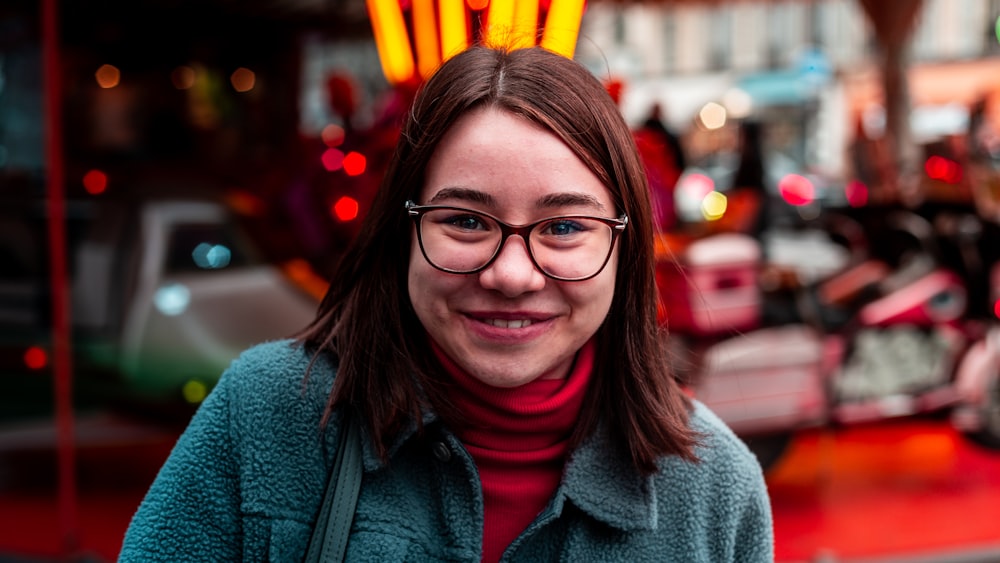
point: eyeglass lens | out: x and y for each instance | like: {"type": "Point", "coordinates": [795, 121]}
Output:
{"type": "Point", "coordinates": [462, 241]}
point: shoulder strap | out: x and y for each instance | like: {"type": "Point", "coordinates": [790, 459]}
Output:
{"type": "Point", "coordinates": [329, 538]}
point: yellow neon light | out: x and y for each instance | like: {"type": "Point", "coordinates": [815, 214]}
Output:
{"type": "Point", "coordinates": [439, 37]}
{"type": "Point", "coordinates": [425, 37]}
{"type": "Point", "coordinates": [499, 20]}
{"type": "Point", "coordinates": [562, 26]}
{"type": "Point", "coordinates": [454, 28]}
{"type": "Point", "coordinates": [391, 40]}
{"type": "Point", "coordinates": [525, 23]}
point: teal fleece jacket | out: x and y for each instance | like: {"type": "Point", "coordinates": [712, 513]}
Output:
{"type": "Point", "coordinates": [245, 480]}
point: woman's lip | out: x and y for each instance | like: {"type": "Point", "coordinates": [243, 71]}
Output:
{"type": "Point", "coordinates": [500, 317]}
{"type": "Point", "coordinates": [509, 327]}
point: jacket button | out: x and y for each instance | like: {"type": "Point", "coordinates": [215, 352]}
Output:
{"type": "Point", "coordinates": [441, 451]}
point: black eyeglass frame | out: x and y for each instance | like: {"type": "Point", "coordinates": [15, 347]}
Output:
{"type": "Point", "coordinates": [416, 212]}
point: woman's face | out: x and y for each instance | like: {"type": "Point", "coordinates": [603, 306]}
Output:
{"type": "Point", "coordinates": [510, 324]}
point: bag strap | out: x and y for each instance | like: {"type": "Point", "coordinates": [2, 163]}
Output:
{"type": "Point", "coordinates": [329, 538]}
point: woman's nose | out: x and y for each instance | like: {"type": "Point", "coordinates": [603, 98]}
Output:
{"type": "Point", "coordinates": [513, 272]}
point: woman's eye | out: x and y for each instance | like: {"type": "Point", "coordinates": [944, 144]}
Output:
{"type": "Point", "coordinates": [468, 222]}
{"type": "Point", "coordinates": [562, 227]}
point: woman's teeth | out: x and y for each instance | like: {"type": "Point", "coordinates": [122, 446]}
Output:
{"type": "Point", "coordinates": [504, 323]}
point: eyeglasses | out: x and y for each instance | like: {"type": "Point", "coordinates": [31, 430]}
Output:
{"type": "Point", "coordinates": [565, 248]}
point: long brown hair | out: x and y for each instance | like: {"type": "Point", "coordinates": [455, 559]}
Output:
{"type": "Point", "coordinates": [386, 369]}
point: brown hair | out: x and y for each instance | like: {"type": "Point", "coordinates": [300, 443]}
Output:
{"type": "Point", "coordinates": [386, 369]}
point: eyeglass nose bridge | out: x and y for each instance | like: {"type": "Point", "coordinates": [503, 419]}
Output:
{"type": "Point", "coordinates": [507, 231]}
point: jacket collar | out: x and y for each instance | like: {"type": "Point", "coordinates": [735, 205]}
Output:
{"type": "Point", "coordinates": [602, 482]}
{"type": "Point", "coordinates": [370, 459]}
{"type": "Point", "coordinates": [599, 479]}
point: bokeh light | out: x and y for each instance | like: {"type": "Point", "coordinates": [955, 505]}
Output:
{"type": "Point", "coordinates": [797, 190]}
{"type": "Point", "coordinates": [355, 163]}
{"type": "Point", "coordinates": [713, 207]}
{"type": "Point", "coordinates": [333, 135]}
{"type": "Point", "coordinates": [172, 299]}
{"type": "Point", "coordinates": [333, 159]}
{"type": "Point", "coordinates": [194, 391]}
{"type": "Point", "coordinates": [108, 76]}
{"type": "Point", "coordinates": [944, 169]}
{"type": "Point", "coordinates": [211, 256]}
{"type": "Point", "coordinates": [243, 79]}
{"type": "Point", "coordinates": [95, 182]}
{"type": "Point", "coordinates": [856, 193]}
{"type": "Point", "coordinates": [35, 358]}
{"type": "Point", "coordinates": [738, 103]}
{"type": "Point", "coordinates": [712, 116]}
{"type": "Point", "coordinates": [183, 77]}
{"type": "Point", "coordinates": [345, 209]}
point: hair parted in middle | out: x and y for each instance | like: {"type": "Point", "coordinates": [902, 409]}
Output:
{"type": "Point", "coordinates": [387, 372]}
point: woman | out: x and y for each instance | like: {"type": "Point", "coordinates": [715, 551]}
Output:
{"type": "Point", "coordinates": [493, 328]}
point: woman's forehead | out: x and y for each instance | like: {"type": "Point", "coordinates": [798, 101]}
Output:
{"type": "Point", "coordinates": [493, 157]}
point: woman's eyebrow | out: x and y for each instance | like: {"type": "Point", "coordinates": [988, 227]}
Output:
{"type": "Point", "coordinates": [464, 194]}
{"type": "Point", "coordinates": [565, 199]}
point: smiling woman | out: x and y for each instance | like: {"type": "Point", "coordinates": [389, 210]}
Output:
{"type": "Point", "coordinates": [493, 331]}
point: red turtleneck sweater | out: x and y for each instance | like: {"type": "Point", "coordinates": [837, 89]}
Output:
{"type": "Point", "coordinates": [518, 438]}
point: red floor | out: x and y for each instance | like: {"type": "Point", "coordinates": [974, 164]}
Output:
{"type": "Point", "coordinates": [906, 491]}
{"type": "Point", "coordinates": [901, 491]}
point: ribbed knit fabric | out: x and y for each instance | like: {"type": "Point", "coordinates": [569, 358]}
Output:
{"type": "Point", "coordinates": [518, 438]}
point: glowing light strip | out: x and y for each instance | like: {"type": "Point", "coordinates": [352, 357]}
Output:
{"type": "Point", "coordinates": [562, 26]}
{"type": "Point", "coordinates": [499, 22]}
{"type": "Point", "coordinates": [508, 22]}
{"type": "Point", "coordinates": [525, 23]}
{"type": "Point", "coordinates": [426, 37]}
{"type": "Point", "coordinates": [454, 28]}
{"type": "Point", "coordinates": [391, 40]}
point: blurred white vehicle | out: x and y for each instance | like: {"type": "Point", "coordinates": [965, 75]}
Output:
{"type": "Point", "coordinates": [165, 293]}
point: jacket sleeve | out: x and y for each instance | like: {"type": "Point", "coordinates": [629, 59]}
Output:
{"type": "Point", "coordinates": [192, 510]}
{"type": "Point", "coordinates": [755, 527]}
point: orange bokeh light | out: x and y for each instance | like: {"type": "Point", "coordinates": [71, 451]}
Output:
{"type": "Point", "coordinates": [243, 79]}
{"type": "Point", "coordinates": [108, 76]}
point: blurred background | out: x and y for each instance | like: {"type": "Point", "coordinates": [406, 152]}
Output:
{"type": "Point", "coordinates": [177, 179]}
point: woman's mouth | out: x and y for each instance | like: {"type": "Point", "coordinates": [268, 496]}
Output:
{"type": "Point", "coordinates": [508, 323]}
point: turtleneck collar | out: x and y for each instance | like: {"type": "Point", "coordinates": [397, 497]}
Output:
{"type": "Point", "coordinates": [519, 440]}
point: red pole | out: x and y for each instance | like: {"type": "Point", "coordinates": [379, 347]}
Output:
{"type": "Point", "coordinates": [61, 345]}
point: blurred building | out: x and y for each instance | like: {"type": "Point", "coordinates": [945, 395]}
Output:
{"type": "Point", "coordinates": [813, 64]}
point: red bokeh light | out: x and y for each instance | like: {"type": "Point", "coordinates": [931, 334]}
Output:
{"type": "Point", "coordinates": [333, 159]}
{"type": "Point", "coordinates": [345, 209]}
{"type": "Point", "coordinates": [355, 163]}
{"type": "Point", "coordinates": [856, 193]}
{"type": "Point", "coordinates": [944, 169]}
{"type": "Point", "coordinates": [36, 358]}
{"type": "Point", "coordinates": [797, 190]}
{"type": "Point", "coordinates": [95, 182]}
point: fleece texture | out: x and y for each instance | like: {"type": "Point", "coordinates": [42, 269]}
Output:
{"type": "Point", "coordinates": [245, 480]}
